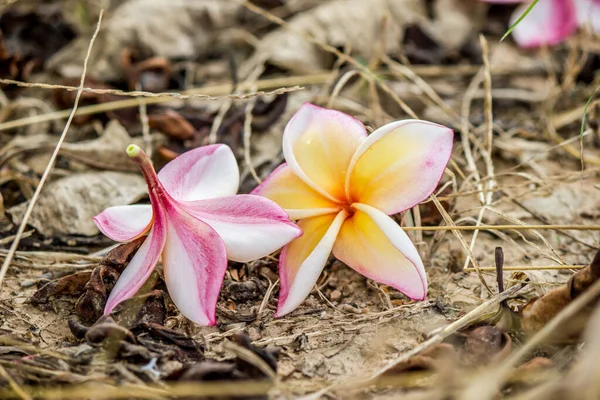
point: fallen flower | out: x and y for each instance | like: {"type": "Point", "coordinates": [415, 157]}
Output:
{"type": "Point", "coordinates": [196, 222]}
{"type": "Point", "coordinates": [341, 185]}
{"type": "Point", "coordinates": [551, 21]}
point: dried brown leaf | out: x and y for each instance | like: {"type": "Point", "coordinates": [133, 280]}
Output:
{"type": "Point", "coordinates": [70, 285]}
{"type": "Point", "coordinates": [359, 26]}
{"type": "Point", "coordinates": [190, 29]}
{"type": "Point", "coordinates": [171, 123]}
{"type": "Point", "coordinates": [90, 305]}
{"type": "Point", "coordinates": [67, 206]}
{"type": "Point", "coordinates": [539, 311]}
{"type": "Point", "coordinates": [106, 152]}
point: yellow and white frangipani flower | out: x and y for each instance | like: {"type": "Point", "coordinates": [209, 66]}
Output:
{"type": "Point", "coordinates": [341, 185]}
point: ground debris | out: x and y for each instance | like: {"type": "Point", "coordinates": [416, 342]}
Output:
{"type": "Point", "coordinates": [539, 311]}
{"type": "Point", "coordinates": [529, 156]}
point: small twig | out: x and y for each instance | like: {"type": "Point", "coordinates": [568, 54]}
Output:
{"type": "Point", "coordinates": [528, 268]}
{"type": "Point", "coordinates": [267, 297]}
{"type": "Point", "coordinates": [36, 194]}
{"type": "Point", "coordinates": [145, 126]}
{"type": "Point", "coordinates": [487, 83]}
{"type": "Point", "coordinates": [213, 135]}
{"type": "Point", "coordinates": [134, 102]}
{"type": "Point", "coordinates": [342, 81]}
{"type": "Point", "coordinates": [247, 136]}
{"type": "Point", "coordinates": [462, 241]}
{"type": "Point", "coordinates": [187, 95]}
{"type": "Point", "coordinates": [499, 259]}
{"type": "Point", "coordinates": [486, 152]}
{"type": "Point", "coordinates": [503, 227]}
{"type": "Point", "coordinates": [9, 239]}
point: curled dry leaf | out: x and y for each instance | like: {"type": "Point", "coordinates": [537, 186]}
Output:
{"type": "Point", "coordinates": [238, 369]}
{"type": "Point", "coordinates": [67, 206]}
{"type": "Point", "coordinates": [193, 26]}
{"type": "Point", "coordinates": [108, 331]}
{"type": "Point", "coordinates": [141, 310]}
{"type": "Point", "coordinates": [169, 343]}
{"type": "Point", "coordinates": [486, 344]}
{"type": "Point", "coordinates": [70, 285]}
{"type": "Point", "coordinates": [539, 311]}
{"type": "Point", "coordinates": [141, 343]}
{"type": "Point", "coordinates": [152, 74]}
{"type": "Point", "coordinates": [90, 305]}
{"type": "Point", "coordinates": [356, 25]}
{"type": "Point", "coordinates": [171, 123]}
{"type": "Point", "coordinates": [105, 152]}
{"type": "Point", "coordinates": [250, 289]}
{"type": "Point", "coordinates": [159, 331]}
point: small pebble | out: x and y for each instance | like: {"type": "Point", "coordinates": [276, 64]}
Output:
{"type": "Point", "coordinates": [335, 295]}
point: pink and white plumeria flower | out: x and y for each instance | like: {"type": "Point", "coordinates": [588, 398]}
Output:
{"type": "Point", "coordinates": [196, 222]}
{"type": "Point", "coordinates": [552, 21]}
{"type": "Point", "coordinates": [342, 185]}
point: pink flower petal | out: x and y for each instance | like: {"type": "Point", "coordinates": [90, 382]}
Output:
{"type": "Point", "coordinates": [194, 261]}
{"type": "Point", "coordinates": [141, 265]}
{"type": "Point", "coordinates": [251, 226]}
{"type": "Point", "coordinates": [301, 261]}
{"type": "Point", "coordinates": [318, 144]}
{"type": "Point", "coordinates": [125, 223]}
{"type": "Point", "coordinates": [203, 173]}
{"type": "Point", "coordinates": [371, 243]}
{"type": "Point", "coordinates": [548, 23]}
{"type": "Point", "coordinates": [588, 13]}
{"type": "Point", "coordinates": [296, 197]}
{"type": "Point", "coordinates": [399, 165]}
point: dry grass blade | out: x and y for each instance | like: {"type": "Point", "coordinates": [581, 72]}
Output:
{"type": "Point", "coordinates": [21, 394]}
{"type": "Point", "coordinates": [145, 127]}
{"type": "Point", "coordinates": [503, 228]}
{"type": "Point", "coordinates": [462, 241]}
{"type": "Point", "coordinates": [141, 93]}
{"type": "Point", "coordinates": [135, 102]}
{"type": "Point", "coordinates": [32, 202]}
{"type": "Point", "coordinates": [529, 268]}
{"type": "Point", "coordinates": [487, 153]}
{"type": "Point", "coordinates": [222, 389]}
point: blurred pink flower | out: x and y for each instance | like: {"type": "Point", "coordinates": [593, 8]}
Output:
{"type": "Point", "coordinates": [195, 221]}
{"type": "Point", "coordinates": [552, 21]}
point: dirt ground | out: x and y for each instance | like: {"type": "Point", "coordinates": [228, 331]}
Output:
{"type": "Point", "coordinates": [244, 68]}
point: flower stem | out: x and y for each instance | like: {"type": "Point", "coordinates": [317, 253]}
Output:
{"type": "Point", "coordinates": [138, 156]}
